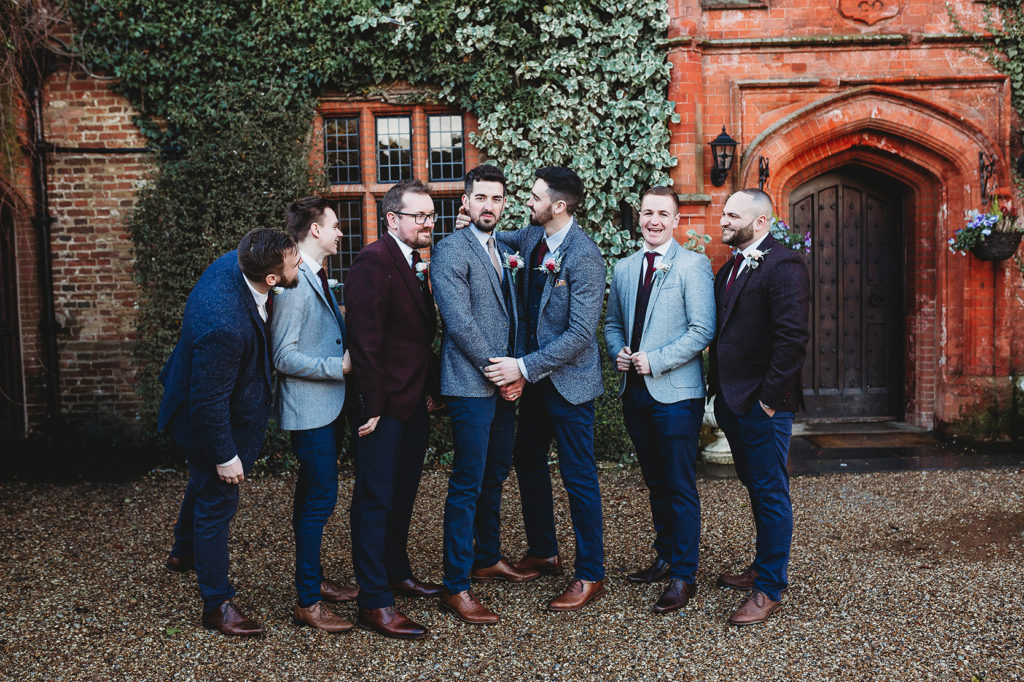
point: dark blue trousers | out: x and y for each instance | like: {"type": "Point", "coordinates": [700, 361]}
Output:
{"type": "Point", "coordinates": [204, 520]}
{"type": "Point", "coordinates": [316, 493]}
{"type": "Point", "coordinates": [483, 430]}
{"type": "Point", "coordinates": [388, 466]}
{"type": "Point", "coordinates": [760, 447]}
{"type": "Point", "coordinates": [544, 413]}
{"type": "Point", "coordinates": [666, 436]}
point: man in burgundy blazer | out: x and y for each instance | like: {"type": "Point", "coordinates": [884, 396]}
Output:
{"type": "Point", "coordinates": [391, 324]}
{"type": "Point", "coordinates": [761, 295]}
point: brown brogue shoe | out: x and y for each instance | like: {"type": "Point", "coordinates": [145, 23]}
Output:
{"type": "Point", "coordinates": [411, 587]}
{"type": "Point", "coordinates": [320, 617]}
{"type": "Point", "coordinates": [390, 622]}
{"type": "Point", "coordinates": [652, 574]}
{"type": "Point", "coordinates": [551, 565]}
{"type": "Point", "coordinates": [754, 610]}
{"type": "Point", "coordinates": [332, 591]}
{"type": "Point", "coordinates": [505, 572]}
{"type": "Point", "coordinates": [677, 595]}
{"type": "Point", "coordinates": [578, 594]}
{"type": "Point", "coordinates": [466, 608]}
{"type": "Point", "coordinates": [743, 581]}
{"type": "Point", "coordinates": [179, 564]}
{"type": "Point", "coordinates": [230, 620]}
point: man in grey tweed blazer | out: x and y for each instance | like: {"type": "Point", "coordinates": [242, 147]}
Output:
{"type": "Point", "coordinates": [661, 316]}
{"type": "Point", "coordinates": [561, 293]}
{"type": "Point", "coordinates": [476, 297]}
{"type": "Point", "coordinates": [307, 339]}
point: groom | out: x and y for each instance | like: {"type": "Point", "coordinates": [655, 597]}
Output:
{"type": "Point", "coordinates": [762, 306]}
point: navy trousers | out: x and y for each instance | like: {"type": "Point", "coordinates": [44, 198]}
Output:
{"type": "Point", "coordinates": [316, 493]}
{"type": "Point", "coordinates": [483, 430]}
{"type": "Point", "coordinates": [666, 437]}
{"type": "Point", "coordinates": [201, 532]}
{"type": "Point", "coordinates": [544, 413]}
{"type": "Point", "coordinates": [388, 466]}
{"type": "Point", "coordinates": [760, 447]}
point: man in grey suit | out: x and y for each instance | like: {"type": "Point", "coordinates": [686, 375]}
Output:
{"type": "Point", "coordinates": [476, 297]}
{"type": "Point", "coordinates": [307, 335]}
{"type": "Point", "coordinates": [561, 294]}
{"type": "Point", "coordinates": [661, 316]}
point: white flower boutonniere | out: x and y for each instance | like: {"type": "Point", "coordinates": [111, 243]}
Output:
{"type": "Point", "coordinates": [552, 265]}
{"type": "Point", "coordinates": [421, 270]}
{"type": "Point", "coordinates": [276, 291]}
{"type": "Point", "coordinates": [334, 285]}
{"type": "Point", "coordinates": [513, 263]}
{"type": "Point", "coordinates": [661, 269]}
{"type": "Point", "coordinates": [755, 258]}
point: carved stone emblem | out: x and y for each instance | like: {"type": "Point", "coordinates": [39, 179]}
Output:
{"type": "Point", "coordinates": [869, 11]}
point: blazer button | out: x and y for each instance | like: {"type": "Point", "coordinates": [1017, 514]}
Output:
{"type": "Point", "coordinates": [337, 341]}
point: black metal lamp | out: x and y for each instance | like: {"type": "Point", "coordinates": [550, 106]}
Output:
{"type": "Point", "coordinates": [723, 150]}
{"type": "Point", "coordinates": [763, 172]}
{"type": "Point", "coordinates": [986, 171]}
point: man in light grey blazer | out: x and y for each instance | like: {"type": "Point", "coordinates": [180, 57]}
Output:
{"type": "Point", "coordinates": [472, 280]}
{"type": "Point", "coordinates": [307, 336]}
{"type": "Point", "coordinates": [560, 297]}
{"type": "Point", "coordinates": [661, 316]}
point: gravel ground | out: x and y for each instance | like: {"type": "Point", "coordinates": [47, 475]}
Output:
{"type": "Point", "coordinates": [912, 575]}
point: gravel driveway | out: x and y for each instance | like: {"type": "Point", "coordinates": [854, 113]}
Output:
{"type": "Point", "coordinates": [912, 575]}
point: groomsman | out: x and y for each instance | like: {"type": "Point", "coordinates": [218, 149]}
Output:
{"type": "Point", "coordinates": [560, 298]}
{"type": "Point", "coordinates": [217, 400]}
{"type": "Point", "coordinates": [756, 357]}
{"type": "Point", "coordinates": [391, 325]}
{"type": "Point", "coordinates": [661, 316]}
{"type": "Point", "coordinates": [307, 336]}
{"type": "Point", "coordinates": [472, 281]}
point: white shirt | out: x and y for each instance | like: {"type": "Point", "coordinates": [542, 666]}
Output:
{"type": "Point", "coordinates": [660, 254]}
{"type": "Point", "coordinates": [406, 249]}
{"type": "Point", "coordinates": [313, 265]}
{"type": "Point", "coordinates": [746, 253]}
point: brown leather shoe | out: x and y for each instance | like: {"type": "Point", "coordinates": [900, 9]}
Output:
{"type": "Point", "coordinates": [551, 565]}
{"type": "Point", "coordinates": [466, 608]}
{"type": "Point", "coordinates": [578, 594]}
{"type": "Point", "coordinates": [390, 622]}
{"type": "Point", "coordinates": [505, 572]}
{"type": "Point", "coordinates": [652, 574]}
{"type": "Point", "coordinates": [230, 620]}
{"type": "Point", "coordinates": [320, 617]}
{"type": "Point", "coordinates": [677, 595]}
{"type": "Point", "coordinates": [179, 564]}
{"type": "Point", "coordinates": [332, 591]}
{"type": "Point", "coordinates": [411, 587]}
{"type": "Point", "coordinates": [743, 581]}
{"type": "Point", "coordinates": [755, 610]}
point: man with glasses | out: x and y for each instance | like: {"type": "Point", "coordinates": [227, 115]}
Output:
{"type": "Point", "coordinates": [391, 324]}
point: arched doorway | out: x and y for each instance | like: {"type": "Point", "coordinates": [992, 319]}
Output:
{"type": "Point", "coordinates": [12, 408]}
{"type": "Point", "coordinates": [855, 360]}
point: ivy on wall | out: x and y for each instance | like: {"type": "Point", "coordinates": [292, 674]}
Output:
{"type": "Point", "coordinates": [231, 88]}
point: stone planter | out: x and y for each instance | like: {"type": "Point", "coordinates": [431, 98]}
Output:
{"type": "Point", "coordinates": [718, 451]}
{"type": "Point", "coordinates": [997, 246]}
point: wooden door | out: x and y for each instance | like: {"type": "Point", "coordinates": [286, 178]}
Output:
{"type": "Point", "coordinates": [855, 357]}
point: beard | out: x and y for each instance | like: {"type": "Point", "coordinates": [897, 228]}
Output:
{"type": "Point", "coordinates": [539, 218]}
{"type": "Point", "coordinates": [485, 221]}
{"type": "Point", "coordinates": [288, 284]}
{"type": "Point", "coordinates": [741, 235]}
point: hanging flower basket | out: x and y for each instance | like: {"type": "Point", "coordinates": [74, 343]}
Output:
{"type": "Point", "coordinates": [997, 246]}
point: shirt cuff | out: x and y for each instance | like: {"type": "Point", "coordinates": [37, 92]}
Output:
{"type": "Point", "coordinates": [228, 463]}
{"type": "Point", "coordinates": [522, 368]}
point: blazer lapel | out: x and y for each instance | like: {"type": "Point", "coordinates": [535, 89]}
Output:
{"type": "Point", "coordinates": [633, 266]}
{"type": "Point", "coordinates": [659, 280]}
{"type": "Point", "coordinates": [551, 278]}
{"type": "Point", "coordinates": [743, 277]}
{"type": "Point", "coordinates": [407, 275]}
{"type": "Point", "coordinates": [485, 259]}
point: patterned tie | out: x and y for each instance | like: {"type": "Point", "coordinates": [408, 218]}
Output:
{"type": "Point", "coordinates": [649, 273]}
{"type": "Point", "coordinates": [735, 270]}
{"type": "Point", "coordinates": [494, 256]}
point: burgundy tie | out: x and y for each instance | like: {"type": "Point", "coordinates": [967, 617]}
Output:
{"type": "Point", "coordinates": [542, 251]}
{"type": "Point", "coordinates": [649, 273]}
{"type": "Point", "coordinates": [735, 270]}
{"type": "Point", "coordinates": [323, 283]}
{"type": "Point", "coordinates": [269, 305]}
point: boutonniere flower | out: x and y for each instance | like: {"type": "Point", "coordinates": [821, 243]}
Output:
{"type": "Point", "coordinates": [661, 269]}
{"type": "Point", "coordinates": [421, 270]}
{"type": "Point", "coordinates": [552, 265]}
{"type": "Point", "coordinates": [513, 263]}
{"type": "Point", "coordinates": [334, 285]}
{"type": "Point", "coordinates": [755, 258]}
{"type": "Point", "coordinates": [276, 291]}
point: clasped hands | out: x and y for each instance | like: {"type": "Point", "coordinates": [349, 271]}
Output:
{"type": "Point", "coordinates": [627, 360]}
{"type": "Point", "coordinates": [504, 373]}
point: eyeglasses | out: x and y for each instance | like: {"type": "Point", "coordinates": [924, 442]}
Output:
{"type": "Point", "coordinates": [420, 218]}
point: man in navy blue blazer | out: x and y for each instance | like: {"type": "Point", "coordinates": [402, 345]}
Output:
{"type": "Point", "coordinates": [217, 400]}
{"type": "Point", "coordinates": [762, 295]}
{"type": "Point", "coordinates": [307, 335]}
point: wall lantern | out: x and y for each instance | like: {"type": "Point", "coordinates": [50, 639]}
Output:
{"type": "Point", "coordinates": [723, 150]}
{"type": "Point", "coordinates": [763, 172]}
{"type": "Point", "coordinates": [986, 171]}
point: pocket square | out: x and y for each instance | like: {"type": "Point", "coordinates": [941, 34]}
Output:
{"type": "Point", "coordinates": [560, 282]}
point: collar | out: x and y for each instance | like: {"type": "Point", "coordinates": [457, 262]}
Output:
{"type": "Point", "coordinates": [555, 240]}
{"type": "Point", "coordinates": [480, 235]}
{"type": "Point", "coordinates": [406, 249]}
{"type": "Point", "coordinates": [314, 266]}
{"type": "Point", "coordinates": [661, 250]}
{"type": "Point", "coordinates": [260, 298]}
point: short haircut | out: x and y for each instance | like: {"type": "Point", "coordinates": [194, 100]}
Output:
{"type": "Point", "coordinates": [301, 215]}
{"type": "Point", "coordinates": [662, 191]}
{"type": "Point", "coordinates": [563, 185]}
{"type": "Point", "coordinates": [261, 253]}
{"type": "Point", "coordinates": [394, 198]}
{"type": "Point", "coordinates": [484, 173]}
{"type": "Point", "coordinates": [759, 201]}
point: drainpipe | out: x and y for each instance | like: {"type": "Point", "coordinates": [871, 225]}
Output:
{"type": "Point", "coordinates": [42, 221]}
